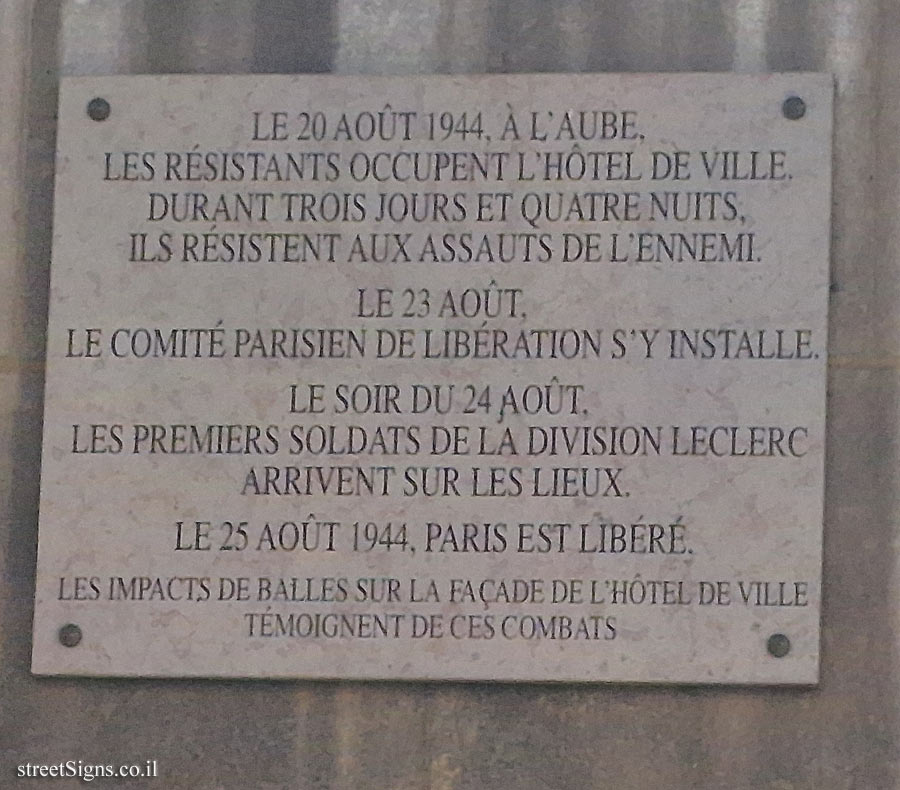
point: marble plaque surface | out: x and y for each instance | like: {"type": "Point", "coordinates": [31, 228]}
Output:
{"type": "Point", "coordinates": [512, 377]}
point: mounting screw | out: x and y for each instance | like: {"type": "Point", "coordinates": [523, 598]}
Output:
{"type": "Point", "coordinates": [98, 109]}
{"type": "Point", "coordinates": [778, 645]}
{"type": "Point", "coordinates": [794, 108]}
{"type": "Point", "coordinates": [69, 635]}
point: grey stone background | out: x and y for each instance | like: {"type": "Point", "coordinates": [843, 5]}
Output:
{"type": "Point", "coordinates": [845, 735]}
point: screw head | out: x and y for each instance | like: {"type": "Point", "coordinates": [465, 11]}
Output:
{"type": "Point", "coordinates": [69, 635]}
{"type": "Point", "coordinates": [98, 109]}
{"type": "Point", "coordinates": [793, 108]}
{"type": "Point", "coordinates": [778, 645]}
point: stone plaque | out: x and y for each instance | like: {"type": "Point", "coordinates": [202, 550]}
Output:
{"type": "Point", "coordinates": [512, 377]}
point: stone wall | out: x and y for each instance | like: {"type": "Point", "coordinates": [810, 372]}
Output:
{"type": "Point", "coordinates": [845, 735]}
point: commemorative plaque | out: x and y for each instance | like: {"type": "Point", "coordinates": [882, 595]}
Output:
{"type": "Point", "coordinates": [515, 378]}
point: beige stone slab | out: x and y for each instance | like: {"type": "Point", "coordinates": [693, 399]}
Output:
{"type": "Point", "coordinates": [680, 370]}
